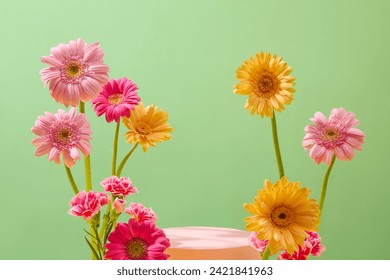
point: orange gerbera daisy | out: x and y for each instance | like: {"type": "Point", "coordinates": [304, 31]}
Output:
{"type": "Point", "coordinates": [147, 126]}
{"type": "Point", "coordinates": [282, 213]}
{"type": "Point", "coordinates": [265, 78]}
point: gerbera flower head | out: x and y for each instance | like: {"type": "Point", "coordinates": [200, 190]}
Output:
{"type": "Point", "coordinates": [116, 100]}
{"type": "Point", "coordinates": [334, 136]}
{"type": "Point", "coordinates": [87, 204]}
{"type": "Point", "coordinates": [140, 213]}
{"type": "Point", "coordinates": [76, 72]}
{"type": "Point", "coordinates": [266, 79]}
{"type": "Point", "coordinates": [137, 241]}
{"type": "Point", "coordinates": [147, 126]}
{"type": "Point", "coordinates": [122, 186]}
{"type": "Point", "coordinates": [62, 134]}
{"type": "Point", "coordinates": [312, 245]}
{"type": "Point", "coordinates": [282, 213]}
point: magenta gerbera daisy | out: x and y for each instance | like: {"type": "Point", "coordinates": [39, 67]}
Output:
{"type": "Point", "coordinates": [62, 134]}
{"type": "Point", "coordinates": [117, 99]}
{"type": "Point", "coordinates": [336, 136]}
{"type": "Point", "coordinates": [137, 241]}
{"type": "Point", "coordinates": [76, 72]}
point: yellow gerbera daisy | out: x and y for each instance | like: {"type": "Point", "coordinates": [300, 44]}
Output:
{"type": "Point", "coordinates": [147, 126]}
{"type": "Point", "coordinates": [282, 213]}
{"type": "Point", "coordinates": [265, 78]}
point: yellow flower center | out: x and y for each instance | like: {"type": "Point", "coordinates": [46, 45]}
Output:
{"type": "Point", "coordinates": [281, 216]}
{"type": "Point", "coordinates": [143, 128]}
{"type": "Point", "coordinates": [266, 84]}
{"type": "Point", "coordinates": [115, 99]}
{"type": "Point", "coordinates": [136, 249]}
{"type": "Point", "coordinates": [74, 69]}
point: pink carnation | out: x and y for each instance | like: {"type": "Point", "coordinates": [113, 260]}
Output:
{"type": "Point", "coordinates": [87, 204]}
{"type": "Point", "coordinates": [312, 245]}
{"type": "Point", "coordinates": [116, 100]}
{"type": "Point", "coordinates": [137, 241]}
{"type": "Point", "coordinates": [119, 205]}
{"type": "Point", "coordinates": [140, 213]}
{"type": "Point", "coordinates": [118, 186]}
{"type": "Point", "coordinates": [313, 242]}
{"type": "Point", "coordinates": [62, 134]}
{"type": "Point", "coordinates": [76, 72]}
{"type": "Point", "coordinates": [336, 136]}
{"type": "Point", "coordinates": [258, 244]}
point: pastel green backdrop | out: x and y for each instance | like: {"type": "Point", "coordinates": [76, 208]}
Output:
{"type": "Point", "coordinates": [183, 56]}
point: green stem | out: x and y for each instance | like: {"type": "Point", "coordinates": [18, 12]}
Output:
{"type": "Point", "coordinates": [110, 217]}
{"type": "Point", "coordinates": [115, 148]}
{"type": "Point", "coordinates": [88, 177]}
{"type": "Point", "coordinates": [266, 253]}
{"type": "Point", "coordinates": [115, 222]}
{"type": "Point", "coordinates": [88, 174]}
{"type": "Point", "coordinates": [123, 162]}
{"type": "Point", "coordinates": [325, 183]}
{"type": "Point", "coordinates": [94, 224]}
{"type": "Point", "coordinates": [71, 180]}
{"type": "Point", "coordinates": [106, 219]}
{"type": "Point", "coordinates": [82, 107]}
{"type": "Point", "coordinates": [276, 146]}
{"type": "Point", "coordinates": [87, 160]}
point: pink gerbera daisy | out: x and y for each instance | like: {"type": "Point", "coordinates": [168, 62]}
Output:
{"type": "Point", "coordinates": [122, 186]}
{"type": "Point", "coordinates": [87, 204]}
{"type": "Point", "coordinates": [336, 136]}
{"type": "Point", "coordinates": [140, 213]}
{"type": "Point", "coordinates": [137, 241]}
{"type": "Point", "coordinates": [76, 72]}
{"type": "Point", "coordinates": [116, 100]}
{"type": "Point", "coordinates": [62, 133]}
{"type": "Point", "coordinates": [312, 245]}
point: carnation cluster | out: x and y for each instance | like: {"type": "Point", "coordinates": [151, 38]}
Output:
{"type": "Point", "coordinates": [76, 75]}
{"type": "Point", "coordinates": [283, 216]}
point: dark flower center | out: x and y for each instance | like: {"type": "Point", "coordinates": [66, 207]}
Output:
{"type": "Point", "coordinates": [136, 249]}
{"type": "Point", "coordinates": [64, 135]}
{"type": "Point", "coordinates": [143, 128]}
{"type": "Point", "coordinates": [266, 84]}
{"type": "Point", "coordinates": [282, 216]}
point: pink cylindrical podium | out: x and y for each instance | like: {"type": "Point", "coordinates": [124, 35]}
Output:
{"type": "Point", "coordinates": [209, 243]}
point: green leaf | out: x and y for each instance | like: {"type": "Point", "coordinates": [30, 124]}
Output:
{"type": "Point", "coordinates": [108, 231]}
{"type": "Point", "coordinates": [97, 256]}
{"type": "Point", "coordinates": [97, 237]}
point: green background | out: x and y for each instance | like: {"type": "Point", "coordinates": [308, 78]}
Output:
{"type": "Point", "coordinates": [183, 56]}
